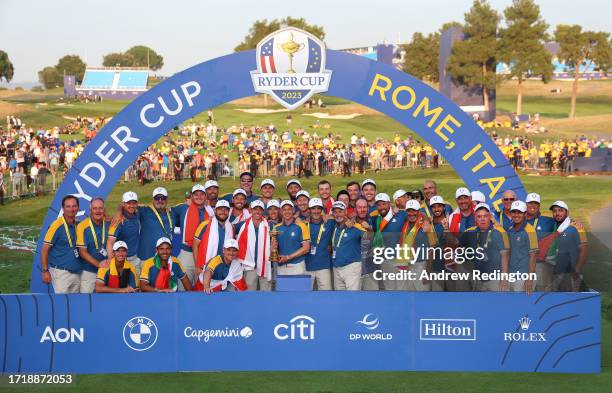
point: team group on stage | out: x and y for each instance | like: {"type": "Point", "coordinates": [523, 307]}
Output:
{"type": "Point", "coordinates": [243, 241]}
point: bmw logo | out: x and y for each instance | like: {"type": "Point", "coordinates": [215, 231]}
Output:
{"type": "Point", "coordinates": [140, 333]}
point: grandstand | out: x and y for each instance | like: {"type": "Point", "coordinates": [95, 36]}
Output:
{"type": "Point", "coordinates": [112, 82]}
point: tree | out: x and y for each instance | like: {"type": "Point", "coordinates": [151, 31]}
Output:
{"type": "Point", "coordinates": [472, 61]}
{"type": "Point", "coordinates": [50, 78]}
{"type": "Point", "coordinates": [582, 49]}
{"type": "Point", "coordinates": [71, 65]}
{"type": "Point", "coordinates": [421, 58]}
{"type": "Point", "coordinates": [118, 59]}
{"type": "Point", "coordinates": [145, 57]}
{"type": "Point", "coordinates": [261, 28]}
{"type": "Point", "coordinates": [6, 67]}
{"type": "Point", "coordinates": [522, 45]}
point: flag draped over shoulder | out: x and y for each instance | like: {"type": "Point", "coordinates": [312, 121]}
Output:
{"type": "Point", "coordinates": [246, 247]}
{"type": "Point", "coordinates": [209, 244]}
{"type": "Point", "coordinates": [165, 278]}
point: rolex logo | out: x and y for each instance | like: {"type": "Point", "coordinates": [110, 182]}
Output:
{"type": "Point", "coordinates": [525, 322]}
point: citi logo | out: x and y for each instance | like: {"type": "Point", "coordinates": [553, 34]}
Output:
{"type": "Point", "coordinates": [523, 336]}
{"type": "Point", "coordinates": [301, 327]}
{"type": "Point", "coordinates": [448, 329]}
{"type": "Point", "coordinates": [63, 335]}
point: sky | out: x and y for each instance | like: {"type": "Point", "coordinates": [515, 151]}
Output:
{"type": "Point", "coordinates": [37, 33]}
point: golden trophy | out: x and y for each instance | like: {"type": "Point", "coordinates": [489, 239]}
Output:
{"type": "Point", "coordinates": [274, 257]}
{"type": "Point", "coordinates": [291, 47]}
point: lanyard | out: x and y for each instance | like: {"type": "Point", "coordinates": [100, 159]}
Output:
{"type": "Point", "coordinates": [426, 208]}
{"type": "Point", "coordinates": [336, 246]}
{"type": "Point", "coordinates": [160, 220]}
{"type": "Point", "coordinates": [320, 232]}
{"type": "Point", "coordinates": [535, 223]}
{"type": "Point", "coordinates": [486, 243]}
{"type": "Point", "coordinates": [67, 232]}
{"type": "Point", "coordinates": [93, 232]}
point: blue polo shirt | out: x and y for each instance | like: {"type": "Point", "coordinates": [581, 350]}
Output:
{"type": "Point", "coordinates": [466, 222]}
{"type": "Point", "coordinates": [62, 253]}
{"type": "Point", "coordinates": [438, 263]}
{"type": "Point", "coordinates": [104, 274]}
{"type": "Point", "coordinates": [503, 220]}
{"type": "Point", "coordinates": [543, 225]}
{"type": "Point", "coordinates": [86, 239]}
{"type": "Point", "coordinates": [178, 217]}
{"type": "Point", "coordinates": [290, 239]}
{"type": "Point", "coordinates": [152, 229]}
{"type": "Point", "coordinates": [199, 233]}
{"type": "Point", "coordinates": [568, 244]}
{"type": "Point", "coordinates": [523, 241]}
{"type": "Point", "coordinates": [392, 231]}
{"type": "Point", "coordinates": [128, 232]}
{"type": "Point", "coordinates": [422, 240]}
{"type": "Point", "coordinates": [218, 268]}
{"type": "Point", "coordinates": [149, 271]}
{"type": "Point", "coordinates": [493, 241]}
{"type": "Point", "coordinates": [346, 244]}
{"type": "Point", "coordinates": [319, 245]}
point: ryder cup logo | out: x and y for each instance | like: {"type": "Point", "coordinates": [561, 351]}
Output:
{"type": "Point", "coordinates": [290, 67]}
{"type": "Point", "coordinates": [140, 333]}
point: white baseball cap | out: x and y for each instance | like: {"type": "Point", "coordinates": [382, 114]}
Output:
{"type": "Point", "coordinates": [302, 193]}
{"type": "Point", "coordinates": [258, 203]}
{"type": "Point", "coordinates": [338, 205]}
{"type": "Point", "coordinates": [482, 206]}
{"type": "Point", "coordinates": [222, 203]}
{"type": "Point", "coordinates": [315, 202]}
{"type": "Point", "coordinates": [462, 191]}
{"type": "Point", "coordinates": [399, 193]}
{"type": "Point", "coordinates": [160, 191]}
{"type": "Point", "coordinates": [560, 204]}
{"type": "Point", "coordinates": [533, 197]}
{"type": "Point", "coordinates": [130, 196]}
{"type": "Point", "coordinates": [119, 244]}
{"type": "Point", "coordinates": [286, 202]}
{"type": "Point", "coordinates": [368, 181]}
{"type": "Point", "coordinates": [478, 196]}
{"type": "Point", "coordinates": [230, 243]}
{"type": "Point", "coordinates": [382, 197]}
{"type": "Point", "coordinates": [413, 204]}
{"type": "Point", "coordinates": [197, 187]}
{"type": "Point", "coordinates": [293, 181]}
{"type": "Point", "coordinates": [211, 183]}
{"type": "Point", "coordinates": [267, 182]}
{"type": "Point", "coordinates": [273, 203]}
{"type": "Point", "coordinates": [161, 241]}
{"type": "Point", "coordinates": [519, 205]}
{"type": "Point", "coordinates": [239, 191]}
{"type": "Point", "coordinates": [436, 199]}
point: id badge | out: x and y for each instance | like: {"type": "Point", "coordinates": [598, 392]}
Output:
{"type": "Point", "coordinates": [334, 254]}
{"type": "Point", "coordinates": [313, 250]}
{"type": "Point", "coordinates": [103, 252]}
{"type": "Point", "coordinates": [76, 253]}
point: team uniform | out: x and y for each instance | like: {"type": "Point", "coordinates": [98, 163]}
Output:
{"type": "Point", "coordinates": [565, 256]}
{"type": "Point", "coordinates": [459, 223]}
{"type": "Point", "coordinates": [181, 216]}
{"type": "Point", "coordinates": [504, 220]}
{"type": "Point", "coordinates": [290, 239]}
{"type": "Point", "coordinates": [226, 277]}
{"type": "Point", "coordinates": [346, 256]}
{"type": "Point", "coordinates": [160, 277]}
{"type": "Point", "coordinates": [493, 242]}
{"type": "Point", "coordinates": [111, 277]}
{"type": "Point", "coordinates": [523, 242]}
{"type": "Point", "coordinates": [254, 249]}
{"type": "Point", "coordinates": [93, 238]}
{"type": "Point", "coordinates": [388, 231]}
{"type": "Point", "coordinates": [64, 263]}
{"type": "Point", "coordinates": [128, 231]}
{"type": "Point", "coordinates": [415, 237]}
{"type": "Point", "coordinates": [544, 226]}
{"type": "Point", "coordinates": [154, 225]}
{"type": "Point", "coordinates": [318, 260]}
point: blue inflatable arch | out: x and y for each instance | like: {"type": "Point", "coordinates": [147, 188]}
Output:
{"type": "Point", "coordinates": [439, 121]}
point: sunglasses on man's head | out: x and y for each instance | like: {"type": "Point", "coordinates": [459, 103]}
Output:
{"type": "Point", "coordinates": [160, 198]}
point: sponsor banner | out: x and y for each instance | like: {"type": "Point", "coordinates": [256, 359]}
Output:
{"type": "Point", "coordinates": [435, 331]}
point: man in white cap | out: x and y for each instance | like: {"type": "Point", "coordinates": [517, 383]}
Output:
{"type": "Point", "coordinates": [478, 197]}
{"type": "Point", "coordinates": [119, 276]}
{"type": "Point", "coordinates": [494, 255]}
{"type": "Point", "coordinates": [239, 212]}
{"type": "Point", "coordinates": [189, 218]}
{"type": "Point", "coordinates": [463, 217]}
{"type": "Point", "coordinates": [267, 191]}
{"type": "Point", "coordinates": [504, 217]}
{"type": "Point", "coordinates": [91, 240]}
{"type": "Point", "coordinates": [439, 222]}
{"type": "Point", "coordinates": [318, 260]}
{"type": "Point", "coordinates": [567, 248]}
{"type": "Point", "coordinates": [292, 242]}
{"type": "Point", "coordinates": [156, 222]}
{"type": "Point", "coordinates": [523, 247]}
{"type": "Point", "coordinates": [211, 187]}
{"type": "Point", "coordinates": [301, 201]}
{"type": "Point", "coordinates": [293, 186]}
{"type": "Point", "coordinates": [126, 227]}
{"type": "Point", "coordinates": [400, 197]}
{"type": "Point", "coordinates": [368, 190]}
{"type": "Point", "coordinates": [544, 226]}
{"type": "Point", "coordinates": [163, 272]}
{"type": "Point", "coordinates": [211, 234]}
{"type": "Point", "coordinates": [254, 249]}
{"type": "Point", "coordinates": [368, 267]}
{"type": "Point", "coordinates": [387, 228]}
{"type": "Point", "coordinates": [224, 272]}
{"type": "Point", "coordinates": [273, 212]}
{"type": "Point", "coordinates": [346, 251]}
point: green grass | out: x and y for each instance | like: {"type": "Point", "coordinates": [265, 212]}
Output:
{"type": "Point", "coordinates": [557, 108]}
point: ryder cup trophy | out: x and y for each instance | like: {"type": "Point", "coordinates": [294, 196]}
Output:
{"type": "Point", "coordinates": [274, 257]}
{"type": "Point", "coordinates": [291, 47]}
